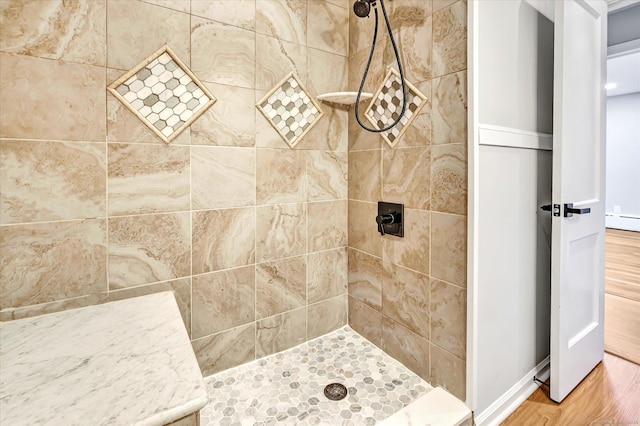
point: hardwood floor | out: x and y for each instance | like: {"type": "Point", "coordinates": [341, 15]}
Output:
{"type": "Point", "coordinates": [622, 294]}
{"type": "Point", "coordinates": [609, 395]}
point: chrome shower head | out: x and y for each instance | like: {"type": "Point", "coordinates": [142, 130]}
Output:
{"type": "Point", "coordinates": [362, 7]}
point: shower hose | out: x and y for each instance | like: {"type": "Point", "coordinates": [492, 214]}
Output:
{"type": "Point", "coordinates": [366, 71]}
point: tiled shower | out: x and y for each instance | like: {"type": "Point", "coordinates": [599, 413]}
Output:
{"type": "Point", "coordinates": [265, 246]}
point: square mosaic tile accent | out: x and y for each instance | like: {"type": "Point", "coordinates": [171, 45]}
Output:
{"type": "Point", "coordinates": [163, 93]}
{"type": "Point", "coordinates": [288, 387]}
{"type": "Point", "coordinates": [290, 109]}
{"type": "Point", "coordinates": [386, 106]}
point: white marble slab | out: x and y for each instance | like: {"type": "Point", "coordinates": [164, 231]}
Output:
{"type": "Point", "coordinates": [437, 408]}
{"type": "Point", "coordinates": [121, 363]}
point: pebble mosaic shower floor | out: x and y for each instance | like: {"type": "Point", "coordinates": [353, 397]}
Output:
{"type": "Point", "coordinates": [288, 387]}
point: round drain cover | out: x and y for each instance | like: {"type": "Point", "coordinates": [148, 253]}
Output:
{"type": "Point", "coordinates": [335, 391]}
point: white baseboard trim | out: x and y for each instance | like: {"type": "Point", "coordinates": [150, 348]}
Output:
{"type": "Point", "coordinates": [628, 223]}
{"type": "Point", "coordinates": [511, 399]}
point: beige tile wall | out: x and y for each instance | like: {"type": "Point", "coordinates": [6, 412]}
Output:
{"type": "Point", "coordinates": [249, 234]}
{"type": "Point", "coordinates": [408, 295]}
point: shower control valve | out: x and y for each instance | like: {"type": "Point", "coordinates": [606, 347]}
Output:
{"type": "Point", "coordinates": [390, 219]}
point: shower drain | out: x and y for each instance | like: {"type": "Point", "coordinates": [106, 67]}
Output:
{"type": "Point", "coordinates": [335, 391]}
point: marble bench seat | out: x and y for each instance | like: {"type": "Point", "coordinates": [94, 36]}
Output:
{"type": "Point", "coordinates": [121, 363]}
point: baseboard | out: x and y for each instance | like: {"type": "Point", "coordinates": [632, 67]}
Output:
{"type": "Point", "coordinates": [511, 399]}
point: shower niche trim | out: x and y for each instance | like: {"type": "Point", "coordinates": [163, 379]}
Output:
{"type": "Point", "coordinates": [163, 93]}
{"type": "Point", "coordinates": [290, 109]}
{"type": "Point", "coordinates": [387, 104]}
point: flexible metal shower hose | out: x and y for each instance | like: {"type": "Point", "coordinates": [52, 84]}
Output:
{"type": "Point", "coordinates": [366, 71]}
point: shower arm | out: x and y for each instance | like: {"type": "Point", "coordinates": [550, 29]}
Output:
{"type": "Point", "coordinates": [366, 71]}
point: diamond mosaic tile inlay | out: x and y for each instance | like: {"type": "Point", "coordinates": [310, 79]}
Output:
{"type": "Point", "coordinates": [288, 387]}
{"type": "Point", "coordinates": [386, 106]}
{"type": "Point", "coordinates": [290, 109]}
{"type": "Point", "coordinates": [163, 93]}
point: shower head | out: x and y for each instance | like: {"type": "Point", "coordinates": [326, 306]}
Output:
{"type": "Point", "coordinates": [362, 7]}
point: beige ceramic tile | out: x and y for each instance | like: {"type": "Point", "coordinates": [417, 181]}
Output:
{"type": "Point", "coordinates": [327, 225]}
{"type": "Point", "coordinates": [326, 175]}
{"type": "Point", "coordinates": [449, 114]}
{"type": "Point", "coordinates": [406, 177]}
{"type": "Point", "coordinates": [275, 59]}
{"type": "Point", "coordinates": [223, 239]}
{"type": "Point", "coordinates": [283, 19]}
{"type": "Point", "coordinates": [148, 178]}
{"type": "Point", "coordinates": [449, 248]}
{"type": "Point", "coordinates": [365, 278]}
{"type": "Point", "coordinates": [230, 121]}
{"type": "Point", "coordinates": [181, 289]}
{"type": "Point", "coordinates": [359, 138]}
{"type": "Point", "coordinates": [280, 231]}
{"type": "Point", "coordinates": [448, 371]}
{"type": "Point", "coordinates": [360, 33]}
{"type": "Point", "coordinates": [327, 72]}
{"type": "Point", "coordinates": [377, 72]}
{"type": "Point", "coordinates": [124, 126]}
{"type": "Point", "coordinates": [179, 5]}
{"type": "Point", "coordinates": [327, 275]}
{"type": "Point", "coordinates": [366, 321]}
{"type": "Point", "coordinates": [409, 13]}
{"type": "Point", "coordinates": [280, 176]}
{"type": "Point", "coordinates": [329, 134]}
{"type": "Point", "coordinates": [239, 13]}
{"type": "Point", "coordinates": [222, 177]}
{"type": "Point", "coordinates": [281, 285]}
{"type": "Point", "coordinates": [362, 227]}
{"type": "Point", "coordinates": [345, 4]}
{"type": "Point", "coordinates": [147, 249]}
{"type": "Point", "coordinates": [226, 349]}
{"type": "Point", "coordinates": [70, 31]}
{"type": "Point", "coordinates": [328, 27]}
{"type": "Point", "coordinates": [51, 261]}
{"type": "Point", "coordinates": [405, 298]}
{"type": "Point", "coordinates": [412, 251]}
{"type": "Point", "coordinates": [33, 108]}
{"type": "Point", "coordinates": [365, 175]}
{"type": "Point", "coordinates": [414, 42]}
{"type": "Point", "coordinates": [222, 54]}
{"type": "Point", "coordinates": [10, 314]}
{"type": "Point", "coordinates": [326, 316]}
{"type": "Point", "coordinates": [135, 30]}
{"type": "Point", "coordinates": [439, 4]}
{"type": "Point", "coordinates": [419, 132]}
{"type": "Point", "coordinates": [222, 300]}
{"type": "Point", "coordinates": [190, 420]}
{"type": "Point", "coordinates": [281, 332]}
{"type": "Point", "coordinates": [449, 317]}
{"type": "Point", "coordinates": [450, 39]}
{"type": "Point", "coordinates": [449, 178]}
{"type": "Point", "coordinates": [407, 347]}
{"type": "Point", "coordinates": [43, 181]}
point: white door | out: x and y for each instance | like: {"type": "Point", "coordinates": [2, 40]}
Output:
{"type": "Point", "coordinates": [577, 250]}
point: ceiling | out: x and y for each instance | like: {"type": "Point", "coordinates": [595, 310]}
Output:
{"type": "Point", "coordinates": [625, 72]}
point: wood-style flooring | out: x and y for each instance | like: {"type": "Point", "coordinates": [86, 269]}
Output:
{"type": "Point", "coordinates": [622, 295]}
{"type": "Point", "coordinates": [609, 395]}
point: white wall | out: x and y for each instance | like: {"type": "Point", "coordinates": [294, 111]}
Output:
{"type": "Point", "coordinates": [623, 161]}
{"type": "Point", "coordinates": [515, 92]}
{"type": "Point", "coordinates": [516, 66]}
{"type": "Point", "coordinates": [623, 25]}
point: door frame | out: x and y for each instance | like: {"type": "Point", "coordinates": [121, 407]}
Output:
{"type": "Point", "coordinates": [473, 205]}
{"type": "Point", "coordinates": [472, 386]}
